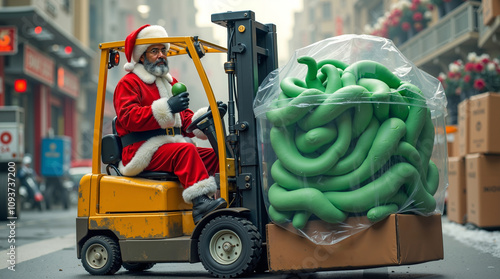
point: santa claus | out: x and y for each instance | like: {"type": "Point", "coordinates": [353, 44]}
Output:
{"type": "Point", "coordinates": [152, 124]}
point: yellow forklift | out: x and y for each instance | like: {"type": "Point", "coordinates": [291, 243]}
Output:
{"type": "Point", "coordinates": [139, 221]}
{"type": "Point", "coordinates": [136, 222]}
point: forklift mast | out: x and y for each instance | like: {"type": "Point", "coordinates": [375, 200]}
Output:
{"type": "Point", "coordinates": [252, 55]}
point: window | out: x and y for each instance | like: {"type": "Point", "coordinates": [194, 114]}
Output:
{"type": "Point", "coordinates": [66, 5]}
{"type": "Point", "coordinates": [326, 10]}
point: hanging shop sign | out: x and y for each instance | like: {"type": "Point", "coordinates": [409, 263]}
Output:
{"type": "Point", "coordinates": [8, 40]}
{"type": "Point", "coordinates": [38, 66]}
{"type": "Point", "coordinates": [68, 82]}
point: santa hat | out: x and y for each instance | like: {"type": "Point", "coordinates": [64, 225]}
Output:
{"type": "Point", "coordinates": [133, 52]}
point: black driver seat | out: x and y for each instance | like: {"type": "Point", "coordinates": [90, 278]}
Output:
{"type": "Point", "coordinates": [111, 155]}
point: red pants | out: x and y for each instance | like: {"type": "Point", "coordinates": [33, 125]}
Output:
{"type": "Point", "coordinates": [188, 162]}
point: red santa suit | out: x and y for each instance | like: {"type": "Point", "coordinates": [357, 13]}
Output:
{"type": "Point", "coordinates": [140, 101]}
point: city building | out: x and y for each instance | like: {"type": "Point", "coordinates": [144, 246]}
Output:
{"type": "Point", "coordinates": [50, 66]}
{"type": "Point", "coordinates": [46, 71]}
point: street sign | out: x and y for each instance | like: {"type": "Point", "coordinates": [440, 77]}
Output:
{"type": "Point", "coordinates": [8, 40]}
{"type": "Point", "coordinates": [56, 156]}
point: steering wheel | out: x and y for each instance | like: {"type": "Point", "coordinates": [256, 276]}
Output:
{"type": "Point", "coordinates": [202, 125]}
{"type": "Point", "coordinates": [206, 124]}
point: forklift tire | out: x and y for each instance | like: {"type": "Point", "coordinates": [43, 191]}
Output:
{"type": "Point", "coordinates": [262, 265]}
{"type": "Point", "coordinates": [101, 256]}
{"type": "Point", "coordinates": [230, 246]}
{"type": "Point", "coordinates": [137, 267]}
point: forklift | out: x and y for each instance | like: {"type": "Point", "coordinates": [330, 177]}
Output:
{"type": "Point", "coordinates": [136, 222]}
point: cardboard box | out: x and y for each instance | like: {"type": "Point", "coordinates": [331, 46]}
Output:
{"type": "Point", "coordinates": [491, 9]}
{"type": "Point", "coordinates": [483, 190]}
{"type": "Point", "coordinates": [452, 144]}
{"type": "Point", "coordinates": [484, 118]}
{"type": "Point", "coordinates": [397, 240]}
{"type": "Point", "coordinates": [463, 128]}
{"type": "Point", "coordinates": [456, 205]}
{"type": "Point", "coordinates": [456, 151]}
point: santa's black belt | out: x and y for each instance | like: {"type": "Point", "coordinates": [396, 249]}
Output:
{"type": "Point", "coordinates": [134, 137]}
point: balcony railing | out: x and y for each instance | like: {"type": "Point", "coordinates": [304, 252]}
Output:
{"type": "Point", "coordinates": [457, 28]}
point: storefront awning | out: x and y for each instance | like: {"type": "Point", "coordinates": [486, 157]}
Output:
{"type": "Point", "coordinates": [48, 37]}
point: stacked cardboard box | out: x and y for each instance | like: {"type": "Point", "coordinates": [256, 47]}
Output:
{"type": "Point", "coordinates": [456, 205]}
{"type": "Point", "coordinates": [456, 201]}
{"type": "Point", "coordinates": [491, 9]}
{"type": "Point", "coordinates": [476, 168]}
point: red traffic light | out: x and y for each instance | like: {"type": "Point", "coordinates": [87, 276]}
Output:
{"type": "Point", "coordinates": [68, 50]}
{"type": "Point", "coordinates": [20, 85]}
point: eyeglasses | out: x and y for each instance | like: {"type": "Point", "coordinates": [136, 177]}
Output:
{"type": "Point", "coordinates": [156, 51]}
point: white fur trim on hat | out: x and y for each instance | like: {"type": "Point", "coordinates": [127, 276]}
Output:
{"type": "Point", "coordinates": [152, 31]}
{"type": "Point", "coordinates": [128, 66]}
{"type": "Point", "coordinates": [204, 187]}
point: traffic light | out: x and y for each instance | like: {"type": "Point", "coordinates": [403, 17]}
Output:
{"type": "Point", "coordinates": [20, 85]}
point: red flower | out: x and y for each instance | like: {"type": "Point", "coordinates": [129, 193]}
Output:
{"type": "Point", "coordinates": [479, 84]}
{"type": "Point", "coordinates": [395, 22]}
{"type": "Point", "coordinates": [467, 78]}
{"type": "Point", "coordinates": [405, 26]}
{"type": "Point", "coordinates": [397, 13]}
{"type": "Point", "coordinates": [469, 67]}
{"type": "Point", "coordinates": [453, 75]}
{"type": "Point", "coordinates": [417, 16]}
{"type": "Point", "coordinates": [479, 67]}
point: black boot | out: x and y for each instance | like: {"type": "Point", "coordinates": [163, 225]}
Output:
{"type": "Point", "coordinates": [203, 205]}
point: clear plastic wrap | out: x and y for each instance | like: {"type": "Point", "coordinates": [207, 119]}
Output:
{"type": "Point", "coordinates": [350, 131]}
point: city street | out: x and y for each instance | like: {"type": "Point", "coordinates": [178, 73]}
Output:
{"type": "Point", "coordinates": [322, 110]}
{"type": "Point", "coordinates": [45, 248]}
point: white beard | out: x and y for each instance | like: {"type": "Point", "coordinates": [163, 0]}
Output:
{"type": "Point", "coordinates": [154, 69]}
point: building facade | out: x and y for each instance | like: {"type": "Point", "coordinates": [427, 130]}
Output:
{"type": "Point", "coordinates": [52, 70]}
{"type": "Point", "coordinates": [46, 73]}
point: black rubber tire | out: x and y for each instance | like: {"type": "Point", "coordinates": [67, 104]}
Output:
{"type": "Point", "coordinates": [243, 241]}
{"type": "Point", "coordinates": [108, 250]}
{"type": "Point", "coordinates": [262, 265]}
{"type": "Point", "coordinates": [137, 267]}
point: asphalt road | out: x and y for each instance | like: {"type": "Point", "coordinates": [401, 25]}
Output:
{"type": "Point", "coordinates": [45, 248]}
